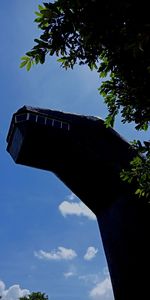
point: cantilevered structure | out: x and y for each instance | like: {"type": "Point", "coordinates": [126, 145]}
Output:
{"type": "Point", "coordinates": [88, 158]}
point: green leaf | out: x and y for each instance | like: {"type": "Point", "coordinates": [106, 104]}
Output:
{"type": "Point", "coordinates": [24, 57]}
{"type": "Point", "coordinates": [25, 60]}
{"type": "Point", "coordinates": [40, 7]}
{"type": "Point", "coordinates": [30, 53]}
{"type": "Point", "coordinates": [145, 127]}
{"type": "Point", "coordinates": [92, 66]}
{"type": "Point", "coordinates": [62, 60]}
{"type": "Point", "coordinates": [23, 63]}
{"type": "Point", "coordinates": [37, 59]}
{"type": "Point", "coordinates": [38, 20]}
{"type": "Point", "coordinates": [109, 121]}
{"type": "Point", "coordinates": [138, 192]}
{"type": "Point", "coordinates": [38, 14]}
{"type": "Point", "coordinates": [28, 66]}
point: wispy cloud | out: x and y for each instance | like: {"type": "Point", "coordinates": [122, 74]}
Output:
{"type": "Point", "coordinates": [14, 292]}
{"type": "Point", "coordinates": [102, 290]}
{"type": "Point", "coordinates": [68, 274]}
{"type": "Point", "coordinates": [90, 253]}
{"type": "Point", "coordinates": [76, 208]}
{"type": "Point", "coordinates": [72, 271]}
{"type": "Point", "coordinates": [90, 278]}
{"type": "Point", "coordinates": [60, 254]}
{"type": "Point", "coordinates": [72, 197]}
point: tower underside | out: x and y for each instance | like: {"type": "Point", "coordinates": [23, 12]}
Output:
{"type": "Point", "coordinates": [88, 158]}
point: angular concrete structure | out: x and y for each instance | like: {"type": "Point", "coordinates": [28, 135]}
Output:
{"type": "Point", "coordinates": [88, 158]}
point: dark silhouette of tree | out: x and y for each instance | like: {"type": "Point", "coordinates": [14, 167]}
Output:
{"type": "Point", "coordinates": [112, 37]}
{"type": "Point", "coordinates": [35, 296]}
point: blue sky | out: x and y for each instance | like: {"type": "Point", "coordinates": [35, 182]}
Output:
{"type": "Point", "coordinates": [50, 241]}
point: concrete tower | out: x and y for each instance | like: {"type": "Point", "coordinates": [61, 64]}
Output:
{"type": "Point", "coordinates": [88, 158]}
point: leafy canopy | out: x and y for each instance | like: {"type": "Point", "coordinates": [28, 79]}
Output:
{"type": "Point", "coordinates": [112, 37]}
{"type": "Point", "coordinates": [35, 296]}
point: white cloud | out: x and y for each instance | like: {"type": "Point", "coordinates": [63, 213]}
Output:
{"type": "Point", "coordinates": [72, 271]}
{"type": "Point", "coordinates": [2, 287]}
{"type": "Point", "coordinates": [106, 271]}
{"type": "Point", "coordinates": [72, 197]}
{"type": "Point", "coordinates": [60, 254]}
{"type": "Point", "coordinates": [76, 208]}
{"type": "Point", "coordinates": [68, 274]}
{"type": "Point", "coordinates": [90, 253]}
{"type": "Point", "coordinates": [14, 292]}
{"type": "Point", "coordinates": [90, 278]}
{"type": "Point", "coordinates": [102, 290]}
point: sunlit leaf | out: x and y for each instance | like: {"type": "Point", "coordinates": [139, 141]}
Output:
{"type": "Point", "coordinates": [23, 63]}
{"type": "Point", "coordinates": [28, 66]}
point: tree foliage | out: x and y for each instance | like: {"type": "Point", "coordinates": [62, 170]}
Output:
{"type": "Point", "coordinates": [112, 37]}
{"type": "Point", "coordinates": [139, 171]}
{"type": "Point", "coordinates": [35, 296]}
